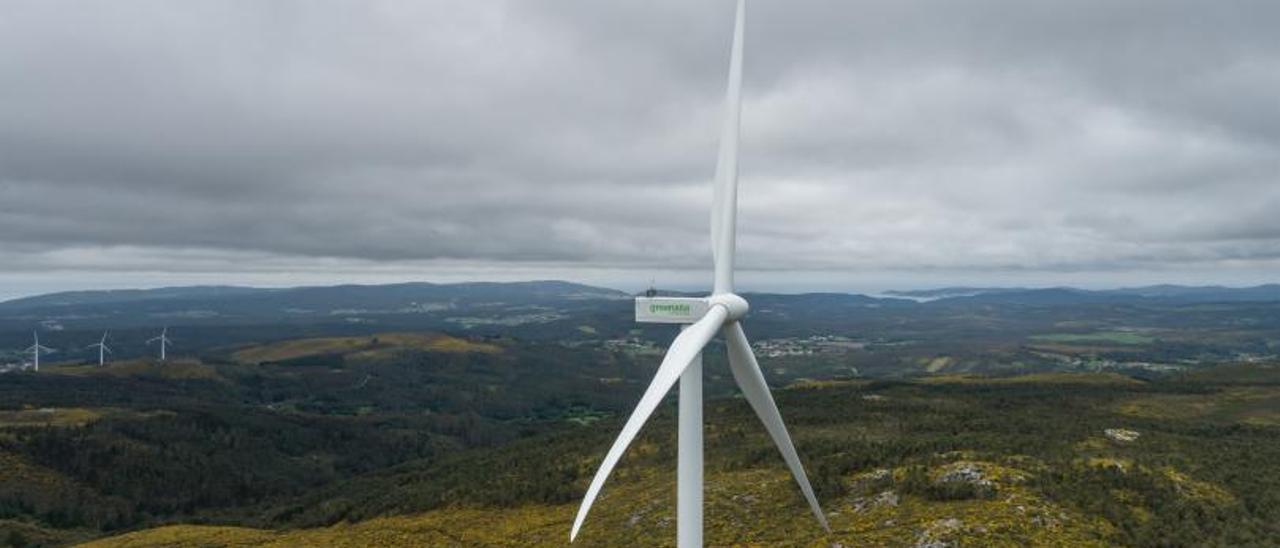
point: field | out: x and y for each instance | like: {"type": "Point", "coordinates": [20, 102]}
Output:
{"type": "Point", "coordinates": [1104, 337]}
{"type": "Point", "coordinates": [1072, 379]}
{"type": "Point", "coordinates": [47, 416]}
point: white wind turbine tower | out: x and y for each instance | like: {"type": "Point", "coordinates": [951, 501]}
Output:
{"type": "Point", "coordinates": [36, 349]}
{"type": "Point", "coordinates": [164, 341]}
{"type": "Point", "coordinates": [701, 319]}
{"type": "Point", "coordinates": [103, 349]}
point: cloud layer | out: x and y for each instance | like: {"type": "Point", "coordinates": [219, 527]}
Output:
{"type": "Point", "coordinates": [976, 137]}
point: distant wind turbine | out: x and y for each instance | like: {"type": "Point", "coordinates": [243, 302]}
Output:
{"type": "Point", "coordinates": [103, 349]}
{"type": "Point", "coordinates": [701, 319]}
{"type": "Point", "coordinates": [164, 341]}
{"type": "Point", "coordinates": [36, 349]}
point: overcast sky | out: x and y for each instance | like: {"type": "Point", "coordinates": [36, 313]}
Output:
{"type": "Point", "coordinates": [885, 144]}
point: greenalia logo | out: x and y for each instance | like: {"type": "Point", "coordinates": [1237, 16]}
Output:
{"type": "Point", "coordinates": [673, 309]}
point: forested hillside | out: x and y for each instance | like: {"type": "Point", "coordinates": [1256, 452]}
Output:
{"type": "Point", "coordinates": [1044, 459]}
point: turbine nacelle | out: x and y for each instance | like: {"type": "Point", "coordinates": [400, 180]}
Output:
{"type": "Point", "coordinates": [688, 310]}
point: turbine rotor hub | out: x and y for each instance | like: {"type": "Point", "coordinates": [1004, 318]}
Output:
{"type": "Point", "coordinates": [734, 304]}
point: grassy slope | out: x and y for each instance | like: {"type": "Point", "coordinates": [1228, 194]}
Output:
{"type": "Point", "coordinates": [174, 369]}
{"type": "Point", "coordinates": [758, 506]}
{"type": "Point", "coordinates": [1057, 480]}
{"type": "Point", "coordinates": [1117, 337]}
{"type": "Point", "coordinates": [1258, 406]}
{"type": "Point", "coordinates": [361, 347]}
{"type": "Point", "coordinates": [1065, 378]}
{"type": "Point", "coordinates": [75, 416]}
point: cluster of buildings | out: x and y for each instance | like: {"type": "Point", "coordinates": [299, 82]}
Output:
{"type": "Point", "coordinates": [795, 346]}
{"type": "Point", "coordinates": [632, 345]}
{"type": "Point", "coordinates": [13, 367]}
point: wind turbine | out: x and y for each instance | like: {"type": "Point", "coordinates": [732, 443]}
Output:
{"type": "Point", "coordinates": [701, 320]}
{"type": "Point", "coordinates": [164, 341]}
{"type": "Point", "coordinates": [103, 349]}
{"type": "Point", "coordinates": [36, 349]}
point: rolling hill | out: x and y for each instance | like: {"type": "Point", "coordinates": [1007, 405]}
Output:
{"type": "Point", "coordinates": [983, 461]}
{"type": "Point", "coordinates": [479, 412]}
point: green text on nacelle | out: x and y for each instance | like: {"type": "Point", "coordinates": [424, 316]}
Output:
{"type": "Point", "coordinates": [672, 308]}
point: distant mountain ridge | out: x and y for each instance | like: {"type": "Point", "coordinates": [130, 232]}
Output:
{"type": "Point", "coordinates": [340, 295]}
{"type": "Point", "coordinates": [392, 296]}
{"type": "Point", "coordinates": [79, 298]}
{"type": "Point", "coordinates": [1265, 292]}
{"type": "Point", "coordinates": [1068, 295]}
{"type": "Point", "coordinates": [209, 318]}
{"type": "Point", "coordinates": [949, 292]}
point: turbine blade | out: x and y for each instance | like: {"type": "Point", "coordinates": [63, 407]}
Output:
{"type": "Point", "coordinates": [746, 372]}
{"type": "Point", "coordinates": [724, 209]}
{"type": "Point", "coordinates": [686, 346]}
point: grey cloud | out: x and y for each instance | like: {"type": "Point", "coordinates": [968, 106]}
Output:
{"type": "Point", "coordinates": [878, 136]}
